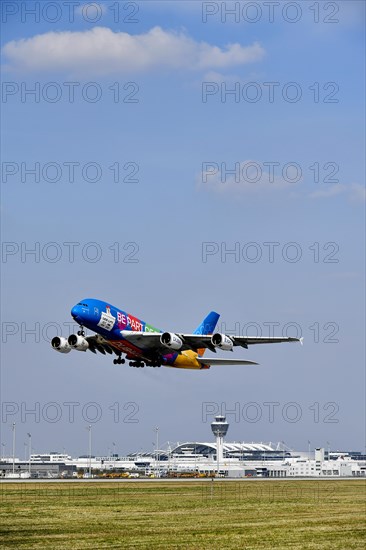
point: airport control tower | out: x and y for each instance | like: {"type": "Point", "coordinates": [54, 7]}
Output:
{"type": "Point", "coordinates": [219, 428]}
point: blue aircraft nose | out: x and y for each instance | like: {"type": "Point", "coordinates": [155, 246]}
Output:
{"type": "Point", "coordinates": [75, 312]}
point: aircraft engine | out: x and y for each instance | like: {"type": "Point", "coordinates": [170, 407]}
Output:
{"type": "Point", "coordinates": [60, 344]}
{"type": "Point", "coordinates": [171, 340]}
{"type": "Point", "coordinates": [78, 342]}
{"type": "Point", "coordinates": [222, 341]}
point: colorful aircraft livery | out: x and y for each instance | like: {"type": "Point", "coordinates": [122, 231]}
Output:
{"type": "Point", "coordinates": [125, 336]}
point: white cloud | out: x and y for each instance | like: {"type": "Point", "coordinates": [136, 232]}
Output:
{"type": "Point", "coordinates": [216, 76]}
{"type": "Point", "coordinates": [102, 51]}
{"type": "Point", "coordinates": [354, 191]}
{"type": "Point", "coordinates": [249, 176]}
{"type": "Point", "coordinates": [331, 191]}
{"type": "Point", "coordinates": [357, 192]}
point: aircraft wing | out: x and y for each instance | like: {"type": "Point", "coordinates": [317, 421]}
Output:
{"type": "Point", "coordinates": [96, 343]}
{"type": "Point", "coordinates": [152, 340]}
{"type": "Point", "coordinates": [245, 341]}
{"type": "Point", "coordinates": [213, 361]}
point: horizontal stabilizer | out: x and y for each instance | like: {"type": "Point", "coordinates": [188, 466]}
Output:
{"type": "Point", "coordinates": [217, 361]}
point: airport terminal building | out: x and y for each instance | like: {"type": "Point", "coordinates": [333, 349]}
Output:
{"type": "Point", "coordinates": [193, 459]}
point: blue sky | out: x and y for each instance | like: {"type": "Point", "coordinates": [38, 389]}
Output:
{"type": "Point", "coordinates": [168, 136]}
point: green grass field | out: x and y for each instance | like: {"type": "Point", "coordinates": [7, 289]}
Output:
{"type": "Point", "coordinates": [246, 514]}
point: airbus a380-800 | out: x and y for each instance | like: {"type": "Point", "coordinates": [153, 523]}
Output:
{"type": "Point", "coordinates": [120, 333]}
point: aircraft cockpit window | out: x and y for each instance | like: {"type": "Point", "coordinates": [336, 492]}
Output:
{"type": "Point", "coordinates": [81, 304]}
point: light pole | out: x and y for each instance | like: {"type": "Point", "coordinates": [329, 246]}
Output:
{"type": "Point", "coordinates": [157, 451]}
{"type": "Point", "coordinates": [3, 446]}
{"type": "Point", "coordinates": [283, 450]}
{"type": "Point", "coordinates": [13, 428]}
{"type": "Point", "coordinates": [328, 445]}
{"type": "Point", "coordinates": [90, 447]}
{"type": "Point", "coordinates": [114, 450]}
{"type": "Point", "coordinates": [169, 457]}
{"type": "Point", "coordinates": [29, 452]}
{"type": "Point", "coordinates": [309, 449]}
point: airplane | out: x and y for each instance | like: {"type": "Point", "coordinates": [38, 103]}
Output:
{"type": "Point", "coordinates": [119, 332]}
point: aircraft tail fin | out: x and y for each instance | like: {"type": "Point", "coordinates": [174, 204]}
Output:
{"type": "Point", "coordinates": [207, 327]}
